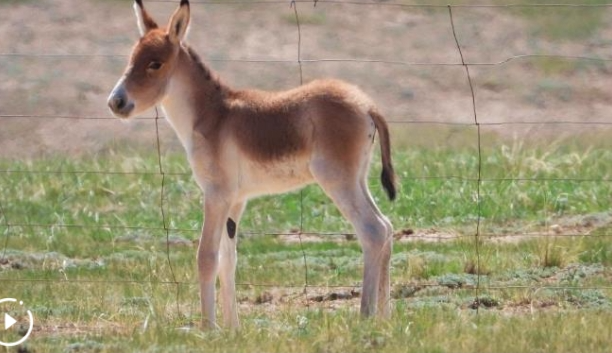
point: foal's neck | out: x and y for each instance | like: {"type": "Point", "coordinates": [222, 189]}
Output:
{"type": "Point", "coordinates": [195, 101]}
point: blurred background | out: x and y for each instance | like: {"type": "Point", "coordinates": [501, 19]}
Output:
{"type": "Point", "coordinates": [534, 67]}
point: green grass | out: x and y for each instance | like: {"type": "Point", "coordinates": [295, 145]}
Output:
{"type": "Point", "coordinates": [86, 251]}
{"type": "Point", "coordinates": [415, 330]}
{"type": "Point", "coordinates": [553, 22]}
{"type": "Point", "coordinates": [438, 188]}
{"type": "Point", "coordinates": [563, 22]}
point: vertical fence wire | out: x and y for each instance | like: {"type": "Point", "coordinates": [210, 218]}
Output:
{"type": "Point", "coordinates": [7, 225]}
{"type": "Point", "coordinates": [479, 151]}
{"type": "Point", "coordinates": [162, 200]}
{"type": "Point", "coordinates": [301, 232]}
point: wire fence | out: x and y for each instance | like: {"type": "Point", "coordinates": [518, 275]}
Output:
{"type": "Point", "coordinates": [296, 8]}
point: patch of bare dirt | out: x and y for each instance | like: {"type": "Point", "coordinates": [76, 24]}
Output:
{"type": "Point", "coordinates": [276, 299]}
{"type": "Point", "coordinates": [425, 235]}
{"type": "Point", "coordinates": [13, 264]}
{"type": "Point", "coordinates": [565, 226]}
{"type": "Point", "coordinates": [334, 296]}
{"type": "Point", "coordinates": [529, 307]}
{"type": "Point", "coordinates": [293, 238]}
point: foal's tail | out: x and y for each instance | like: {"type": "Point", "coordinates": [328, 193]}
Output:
{"type": "Point", "coordinates": [387, 176]}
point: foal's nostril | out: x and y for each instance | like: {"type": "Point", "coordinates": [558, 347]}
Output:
{"type": "Point", "coordinates": [117, 102]}
{"type": "Point", "coordinates": [118, 99]}
{"type": "Point", "coordinates": [120, 102]}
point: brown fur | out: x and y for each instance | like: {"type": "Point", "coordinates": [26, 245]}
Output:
{"type": "Point", "coordinates": [245, 143]}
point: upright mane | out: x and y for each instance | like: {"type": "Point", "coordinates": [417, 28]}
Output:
{"type": "Point", "coordinates": [205, 71]}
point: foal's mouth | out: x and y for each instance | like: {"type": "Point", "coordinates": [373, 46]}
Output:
{"type": "Point", "coordinates": [123, 113]}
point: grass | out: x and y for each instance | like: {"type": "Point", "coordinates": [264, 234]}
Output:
{"type": "Point", "coordinates": [438, 316]}
{"type": "Point", "coordinates": [555, 21]}
{"type": "Point", "coordinates": [318, 331]}
{"type": "Point", "coordinates": [438, 188]}
{"type": "Point", "coordinates": [564, 22]}
{"type": "Point", "coordinates": [87, 251]}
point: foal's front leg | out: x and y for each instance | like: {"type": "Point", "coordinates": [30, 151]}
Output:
{"type": "Point", "coordinates": [216, 210]}
{"type": "Point", "coordinates": [227, 266]}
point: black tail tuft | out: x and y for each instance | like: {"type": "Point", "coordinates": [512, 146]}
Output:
{"type": "Point", "coordinates": [386, 177]}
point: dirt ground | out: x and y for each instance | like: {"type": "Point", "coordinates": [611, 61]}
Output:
{"type": "Point", "coordinates": [57, 70]}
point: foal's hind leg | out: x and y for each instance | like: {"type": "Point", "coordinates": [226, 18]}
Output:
{"type": "Point", "coordinates": [384, 297]}
{"type": "Point", "coordinates": [356, 206]}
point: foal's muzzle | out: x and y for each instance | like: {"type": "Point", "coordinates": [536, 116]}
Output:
{"type": "Point", "coordinates": [119, 103]}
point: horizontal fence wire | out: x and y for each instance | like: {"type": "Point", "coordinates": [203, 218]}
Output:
{"type": "Point", "coordinates": [392, 121]}
{"type": "Point", "coordinates": [388, 4]}
{"type": "Point", "coordinates": [328, 60]}
{"type": "Point", "coordinates": [167, 229]}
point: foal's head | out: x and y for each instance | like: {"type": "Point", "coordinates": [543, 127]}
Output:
{"type": "Point", "coordinates": [151, 64]}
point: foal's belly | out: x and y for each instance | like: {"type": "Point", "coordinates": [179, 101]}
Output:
{"type": "Point", "coordinates": [257, 179]}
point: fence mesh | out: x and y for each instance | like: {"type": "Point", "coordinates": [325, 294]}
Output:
{"type": "Point", "coordinates": [481, 74]}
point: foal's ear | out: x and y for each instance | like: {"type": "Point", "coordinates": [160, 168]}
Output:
{"type": "Point", "coordinates": [145, 22]}
{"type": "Point", "coordinates": [179, 23]}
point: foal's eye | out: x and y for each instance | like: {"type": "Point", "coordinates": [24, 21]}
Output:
{"type": "Point", "coordinates": [154, 65]}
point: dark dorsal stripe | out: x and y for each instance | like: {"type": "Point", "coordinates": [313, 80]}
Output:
{"type": "Point", "coordinates": [207, 74]}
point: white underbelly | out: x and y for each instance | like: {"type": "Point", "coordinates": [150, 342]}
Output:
{"type": "Point", "coordinates": [279, 177]}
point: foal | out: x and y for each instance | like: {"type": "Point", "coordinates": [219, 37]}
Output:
{"type": "Point", "coordinates": [246, 143]}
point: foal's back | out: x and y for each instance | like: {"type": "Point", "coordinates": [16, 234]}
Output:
{"type": "Point", "coordinates": [329, 115]}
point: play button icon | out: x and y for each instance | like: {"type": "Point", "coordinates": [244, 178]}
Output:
{"type": "Point", "coordinates": [8, 321]}
{"type": "Point", "coordinates": [18, 314]}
